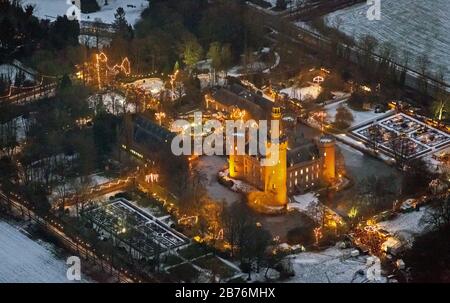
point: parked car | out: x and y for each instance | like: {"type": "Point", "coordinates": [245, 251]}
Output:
{"type": "Point", "coordinates": [408, 205]}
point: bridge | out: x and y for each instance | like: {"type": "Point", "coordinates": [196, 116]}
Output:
{"type": "Point", "coordinates": [29, 95]}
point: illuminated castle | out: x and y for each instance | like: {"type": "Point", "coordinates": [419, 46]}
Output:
{"type": "Point", "coordinates": [302, 165]}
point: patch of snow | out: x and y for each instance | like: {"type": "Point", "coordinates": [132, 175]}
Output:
{"type": "Point", "coordinates": [303, 93]}
{"type": "Point", "coordinates": [50, 9]}
{"type": "Point", "coordinates": [113, 103]}
{"type": "Point", "coordinates": [406, 225]}
{"type": "Point", "coordinates": [149, 85]}
{"type": "Point", "coordinates": [359, 117]}
{"type": "Point", "coordinates": [416, 27]}
{"type": "Point", "coordinates": [69, 187]}
{"type": "Point", "coordinates": [303, 202]}
{"type": "Point", "coordinates": [332, 265]}
{"type": "Point", "coordinates": [26, 261]}
{"type": "Point", "coordinates": [9, 72]}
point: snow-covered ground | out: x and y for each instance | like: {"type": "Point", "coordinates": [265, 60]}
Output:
{"type": "Point", "coordinates": [415, 26]}
{"type": "Point", "coordinates": [290, 4]}
{"type": "Point", "coordinates": [303, 93]}
{"type": "Point", "coordinates": [360, 117]}
{"type": "Point", "coordinates": [332, 265]}
{"type": "Point", "coordinates": [304, 202]}
{"type": "Point", "coordinates": [50, 9]}
{"type": "Point", "coordinates": [150, 85]}
{"type": "Point", "coordinates": [8, 71]}
{"type": "Point", "coordinates": [70, 186]}
{"type": "Point", "coordinates": [113, 103]}
{"type": "Point", "coordinates": [407, 226]}
{"type": "Point", "coordinates": [26, 261]}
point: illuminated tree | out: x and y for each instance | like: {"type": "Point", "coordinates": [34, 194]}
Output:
{"type": "Point", "coordinates": [192, 53]}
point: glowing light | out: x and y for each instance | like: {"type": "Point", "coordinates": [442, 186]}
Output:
{"type": "Point", "coordinates": [124, 66]}
{"type": "Point", "coordinates": [366, 88]}
{"type": "Point", "coordinates": [151, 178]}
{"type": "Point", "coordinates": [353, 212]}
{"type": "Point", "coordinates": [318, 234]}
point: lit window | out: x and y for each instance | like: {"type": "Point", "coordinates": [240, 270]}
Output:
{"type": "Point", "coordinates": [296, 181]}
{"type": "Point", "coordinates": [307, 169]}
{"type": "Point", "coordinates": [296, 173]}
{"type": "Point", "coordinates": [301, 172]}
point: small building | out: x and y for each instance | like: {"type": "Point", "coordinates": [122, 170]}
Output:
{"type": "Point", "coordinates": [142, 137]}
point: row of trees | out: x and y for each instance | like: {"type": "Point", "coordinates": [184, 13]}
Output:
{"type": "Point", "coordinates": [389, 67]}
{"type": "Point", "coordinates": [187, 31]}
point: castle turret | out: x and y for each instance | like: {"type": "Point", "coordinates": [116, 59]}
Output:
{"type": "Point", "coordinates": [275, 176]}
{"type": "Point", "coordinates": [327, 147]}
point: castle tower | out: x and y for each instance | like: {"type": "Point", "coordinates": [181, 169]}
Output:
{"type": "Point", "coordinates": [327, 147]}
{"type": "Point", "coordinates": [275, 177]}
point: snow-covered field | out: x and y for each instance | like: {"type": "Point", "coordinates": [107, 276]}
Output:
{"type": "Point", "coordinates": [332, 265]}
{"type": "Point", "coordinates": [26, 261]}
{"type": "Point", "coordinates": [406, 226]}
{"type": "Point", "coordinates": [71, 185]}
{"type": "Point", "coordinates": [415, 26]}
{"type": "Point", "coordinates": [359, 117]}
{"type": "Point", "coordinates": [50, 9]}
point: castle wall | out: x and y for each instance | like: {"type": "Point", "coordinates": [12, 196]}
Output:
{"type": "Point", "coordinates": [303, 176]}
